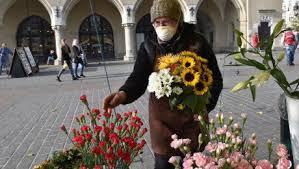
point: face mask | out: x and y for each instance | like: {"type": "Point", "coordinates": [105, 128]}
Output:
{"type": "Point", "coordinates": [165, 33]}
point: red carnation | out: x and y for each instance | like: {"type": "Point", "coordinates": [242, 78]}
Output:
{"type": "Point", "coordinates": [85, 128]}
{"type": "Point", "coordinates": [102, 144]}
{"type": "Point", "coordinates": [95, 111]}
{"type": "Point", "coordinates": [88, 136]}
{"type": "Point", "coordinates": [83, 98]}
{"type": "Point", "coordinates": [97, 151]}
{"type": "Point", "coordinates": [79, 140]}
{"type": "Point", "coordinates": [62, 127]}
{"type": "Point", "coordinates": [106, 130]}
{"type": "Point", "coordinates": [143, 132]}
{"type": "Point", "coordinates": [98, 129]}
{"type": "Point", "coordinates": [97, 167]}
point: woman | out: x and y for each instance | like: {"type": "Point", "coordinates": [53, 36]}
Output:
{"type": "Point", "coordinates": [171, 35]}
{"type": "Point", "coordinates": [78, 53]}
{"type": "Point", "coordinates": [66, 60]}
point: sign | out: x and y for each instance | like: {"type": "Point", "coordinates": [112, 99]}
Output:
{"type": "Point", "coordinates": [20, 66]}
{"type": "Point", "coordinates": [32, 62]}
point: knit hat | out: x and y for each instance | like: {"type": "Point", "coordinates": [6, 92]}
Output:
{"type": "Point", "coordinates": [166, 8]}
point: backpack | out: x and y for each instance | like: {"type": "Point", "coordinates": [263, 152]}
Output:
{"type": "Point", "coordinates": [289, 38]}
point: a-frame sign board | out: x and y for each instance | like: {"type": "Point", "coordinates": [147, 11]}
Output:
{"type": "Point", "coordinates": [20, 66]}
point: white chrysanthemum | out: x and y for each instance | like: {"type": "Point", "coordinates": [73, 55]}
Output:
{"type": "Point", "coordinates": [153, 82]}
{"type": "Point", "coordinates": [164, 72]}
{"type": "Point", "coordinates": [167, 79]}
{"type": "Point", "coordinates": [177, 79]}
{"type": "Point", "coordinates": [177, 90]}
{"type": "Point", "coordinates": [166, 91]}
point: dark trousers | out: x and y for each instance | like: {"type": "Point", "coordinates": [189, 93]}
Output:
{"type": "Point", "coordinates": [69, 64]}
{"type": "Point", "coordinates": [161, 162]}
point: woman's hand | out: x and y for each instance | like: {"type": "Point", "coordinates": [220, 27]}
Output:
{"type": "Point", "coordinates": [114, 100]}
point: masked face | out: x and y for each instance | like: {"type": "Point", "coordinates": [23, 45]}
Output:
{"type": "Point", "coordinates": [165, 28]}
{"type": "Point", "coordinates": [165, 33]}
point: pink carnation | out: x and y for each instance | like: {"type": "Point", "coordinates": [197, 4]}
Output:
{"type": "Point", "coordinates": [176, 143]}
{"type": "Point", "coordinates": [174, 159]}
{"type": "Point", "coordinates": [244, 164]}
{"type": "Point", "coordinates": [188, 164]}
{"type": "Point", "coordinates": [200, 159]}
{"type": "Point", "coordinates": [211, 147]}
{"type": "Point", "coordinates": [221, 131]}
{"type": "Point", "coordinates": [284, 163]}
{"type": "Point", "coordinates": [281, 150]}
{"type": "Point", "coordinates": [264, 164]}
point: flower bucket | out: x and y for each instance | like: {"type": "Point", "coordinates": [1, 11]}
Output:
{"type": "Point", "coordinates": [293, 115]}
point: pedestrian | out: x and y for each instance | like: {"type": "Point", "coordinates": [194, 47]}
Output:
{"type": "Point", "coordinates": [290, 44]}
{"type": "Point", "coordinates": [78, 58]}
{"type": "Point", "coordinates": [66, 60]}
{"type": "Point", "coordinates": [4, 57]}
{"type": "Point", "coordinates": [51, 58]}
{"type": "Point", "coordinates": [171, 35]}
{"type": "Point", "coordinates": [255, 40]}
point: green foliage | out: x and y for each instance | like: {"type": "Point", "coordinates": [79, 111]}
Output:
{"type": "Point", "coordinates": [269, 62]}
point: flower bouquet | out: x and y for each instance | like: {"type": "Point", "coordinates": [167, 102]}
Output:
{"type": "Point", "coordinates": [184, 79]}
{"type": "Point", "coordinates": [105, 140]}
{"type": "Point", "coordinates": [228, 149]}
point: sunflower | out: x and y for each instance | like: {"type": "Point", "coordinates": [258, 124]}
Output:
{"type": "Point", "coordinates": [188, 62]}
{"type": "Point", "coordinates": [190, 77]}
{"type": "Point", "coordinates": [167, 60]}
{"type": "Point", "coordinates": [188, 54]}
{"type": "Point", "coordinates": [200, 88]}
{"type": "Point", "coordinates": [202, 60]}
{"type": "Point", "coordinates": [206, 75]}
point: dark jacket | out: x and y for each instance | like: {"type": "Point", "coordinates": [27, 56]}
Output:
{"type": "Point", "coordinates": [163, 122]}
{"type": "Point", "coordinates": [65, 52]}
{"type": "Point", "coordinates": [77, 52]}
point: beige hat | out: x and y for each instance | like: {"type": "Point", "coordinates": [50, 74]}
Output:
{"type": "Point", "coordinates": [166, 8]}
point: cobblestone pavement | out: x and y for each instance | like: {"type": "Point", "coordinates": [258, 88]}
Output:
{"type": "Point", "coordinates": [32, 109]}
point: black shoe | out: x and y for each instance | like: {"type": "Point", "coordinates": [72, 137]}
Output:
{"type": "Point", "coordinates": [82, 75]}
{"type": "Point", "coordinates": [292, 64]}
{"type": "Point", "coordinates": [58, 79]}
{"type": "Point", "coordinates": [78, 77]}
{"type": "Point", "coordinates": [74, 78]}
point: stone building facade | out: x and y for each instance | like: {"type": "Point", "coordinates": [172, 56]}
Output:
{"type": "Point", "coordinates": [121, 25]}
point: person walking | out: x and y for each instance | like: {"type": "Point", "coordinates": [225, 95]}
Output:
{"type": "Point", "coordinates": [78, 54]}
{"type": "Point", "coordinates": [255, 39]}
{"type": "Point", "coordinates": [4, 57]}
{"type": "Point", "coordinates": [66, 60]}
{"type": "Point", "coordinates": [173, 36]}
{"type": "Point", "coordinates": [290, 43]}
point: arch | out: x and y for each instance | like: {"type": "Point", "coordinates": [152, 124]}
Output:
{"type": "Point", "coordinates": [239, 5]}
{"type": "Point", "coordinates": [69, 5]}
{"type": "Point", "coordinates": [36, 33]}
{"type": "Point", "coordinates": [183, 4]}
{"type": "Point", "coordinates": [89, 39]}
{"type": "Point", "coordinates": [7, 4]}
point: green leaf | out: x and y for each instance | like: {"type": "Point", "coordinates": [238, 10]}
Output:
{"type": "Point", "coordinates": [283, 88]}
{"type": "Point", "coordinates": [280, 77]}
{"type": "Point", "coordinates": [295, 94]}
{"type": "Point", "coordinates": [239, 39]}
{"type": "Point", "coordinates": [278, 28]}
{"type": "Point", "coordinates": [294, 82]}
{"type": "Point", "coordinates": [250, 62]}
{"type": "Point", "coordinates": [232, 54]}
{"type": "Point", "coordinates": [253, 91]}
